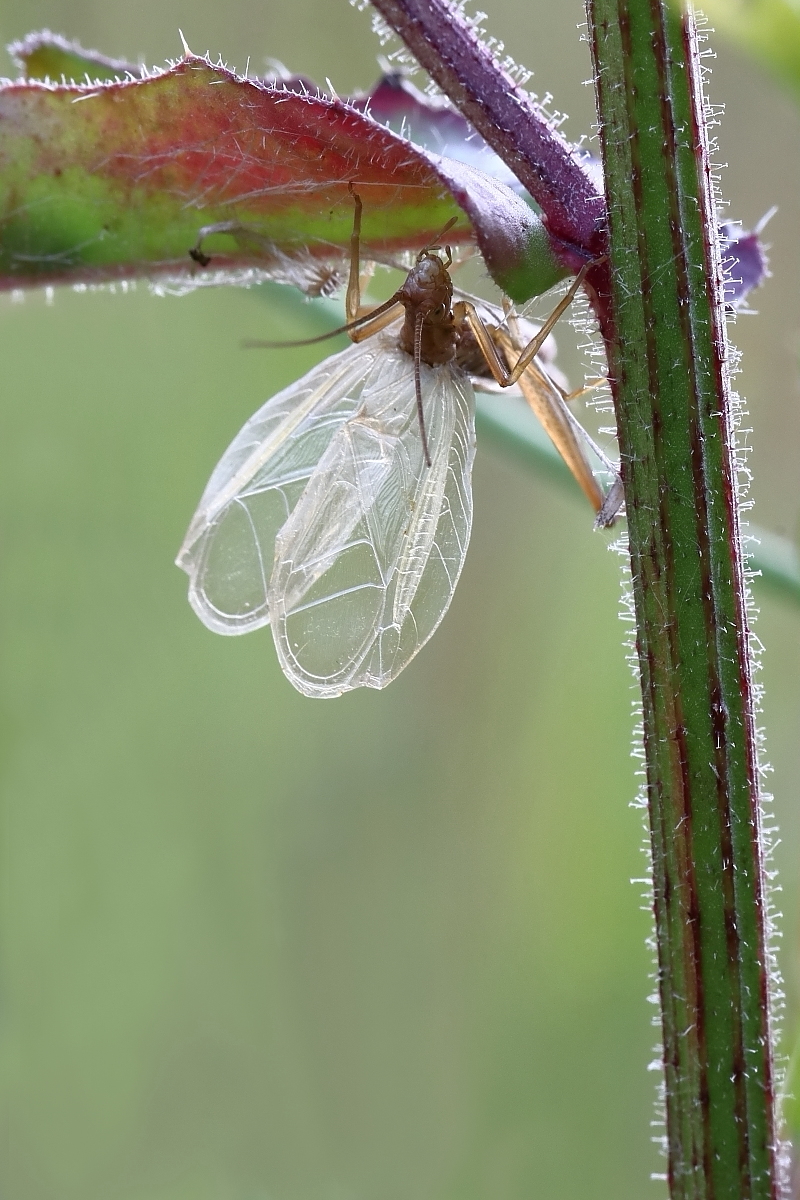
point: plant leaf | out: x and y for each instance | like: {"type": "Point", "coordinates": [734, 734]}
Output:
{"type": "Point", "coordinates": [430, 123]}
{"type": "Point", "coordinates": [122, 178]}
{"type": "Point", "coordinates": [744, 261]}
{"type": "Point", "coordinates": [436, 125]}
{"type": "Point", "coordinates": [47, 55]}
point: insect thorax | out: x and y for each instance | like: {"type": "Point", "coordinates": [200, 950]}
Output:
{"type": "Point", "coordinates": [428, 293]}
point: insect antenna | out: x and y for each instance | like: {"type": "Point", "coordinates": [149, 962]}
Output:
{"type": "Point", "coordinates": [256, 344]}
{"type": "Point", "coordinates": [357, 322]}
{"type": "Point", "coordinates": [434, 245]}
{"type": "Point", "coordinates": [418, 385]}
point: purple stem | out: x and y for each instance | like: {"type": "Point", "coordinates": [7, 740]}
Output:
{"type": "Point", "coordinates": [505, 115]}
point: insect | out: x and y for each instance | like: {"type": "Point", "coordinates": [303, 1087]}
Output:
{"type": "Point", "coordinates": [341, 513]}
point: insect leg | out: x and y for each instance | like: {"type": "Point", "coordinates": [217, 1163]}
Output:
{"type": "Point", "coordinates": [535, 345]}
{"type": "Point", "coordinates": [587, 387]}
{"type": "Point", "coordinates": [359, 325]}
{"type": "Point", "coordinates": [546, 400]}
{"type": "Point", "coordinates": [362, 327]}
{"type": "Point", "coordinates": [550, 407]}
{"type": "Point", "coordinates": [357, 278]}
{"type": "Point", "coordinates": [465, 311]}
{"type": "Point", "coordinates": [352, 303]}
{"type": "Point", "coordinates": [373, 322]}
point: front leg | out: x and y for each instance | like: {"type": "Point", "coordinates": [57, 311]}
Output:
{"type": "Point", "coordinates": [550, 407]}
{"type": "Point", "coordinates": [352, 303]}
{"type": "Point", "coordinates": [533, 347]}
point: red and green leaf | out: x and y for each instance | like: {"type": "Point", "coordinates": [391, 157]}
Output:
{"type": "Point", "coordinates": [124, 177]}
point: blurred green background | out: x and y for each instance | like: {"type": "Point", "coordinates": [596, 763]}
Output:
{"type": "Point", "coordinates": [258, 947]}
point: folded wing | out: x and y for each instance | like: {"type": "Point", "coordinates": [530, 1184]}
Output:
{"type": "Point", "coordinates": [366, 565]}
{"type": "Point", "coordinates": [229, 548]}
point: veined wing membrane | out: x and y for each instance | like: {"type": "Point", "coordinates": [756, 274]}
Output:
{"type": "Point", "coordinates": [229, 548]}
{"type": "Point", "coordinates": [366, 565]}
{"type": "Point", "coordinates": [333, 516]}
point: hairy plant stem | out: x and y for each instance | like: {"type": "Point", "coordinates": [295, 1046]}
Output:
{"type": "Point", "coordinates": [662, 319]}
{"type": "Point", "coordinates": [667, 353]}
{"type": "Point", "coordinates": [510, 120]}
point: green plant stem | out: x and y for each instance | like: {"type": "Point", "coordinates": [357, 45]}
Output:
{"type": "Point", "coordinates": [667, 351]}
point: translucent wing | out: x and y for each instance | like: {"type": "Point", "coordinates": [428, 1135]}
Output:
{"type": "Point", "coordinates": [366, 565]}
{"type": "Point", "coordinates": [229, 548]}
